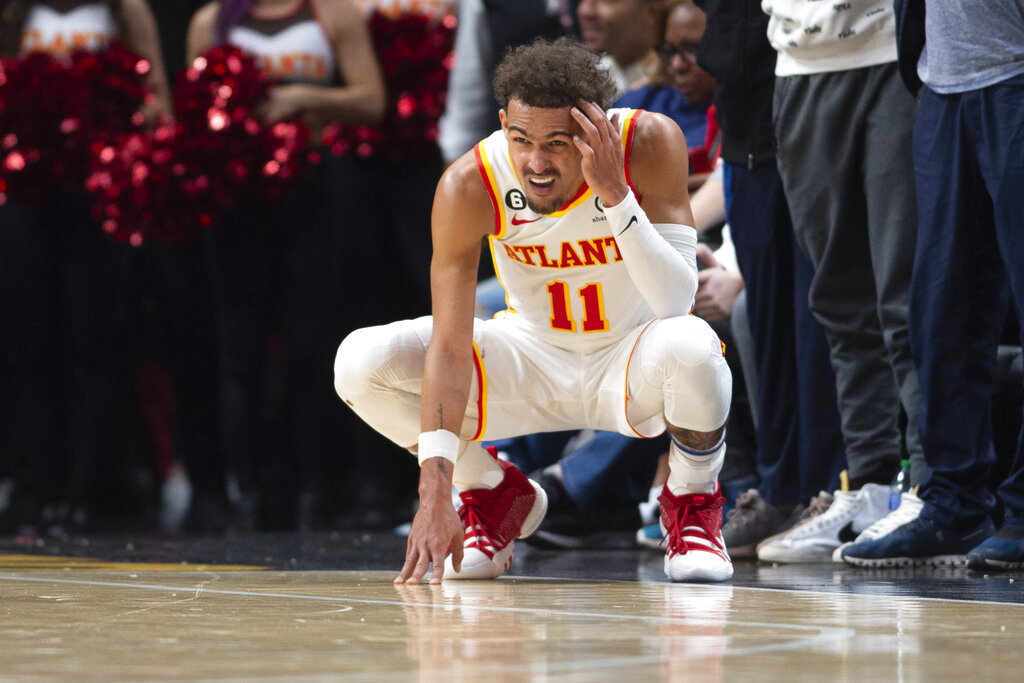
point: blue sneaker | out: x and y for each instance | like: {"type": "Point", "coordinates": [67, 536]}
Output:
{"type": "Point", "coordinates": [1005, 550]}
{"type": "Point", "coordinates": [922, 542]}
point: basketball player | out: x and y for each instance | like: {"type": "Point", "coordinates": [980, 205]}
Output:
{"type": "Point", "coordinates": [587, 216]}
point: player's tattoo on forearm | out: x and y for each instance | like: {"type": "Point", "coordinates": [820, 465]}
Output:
{"type": "Point", "coordinates": [440, 416]}
{"type": "Point", "coordinates": [440, 466]}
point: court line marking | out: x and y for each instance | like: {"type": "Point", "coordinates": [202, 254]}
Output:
{"type": "Point", "coordinates": [821, 634]}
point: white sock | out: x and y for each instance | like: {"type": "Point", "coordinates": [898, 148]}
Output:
{"type": "Point", "coordinates": [693, 471]}
{"type": "Point", "coordinates": [475, 468]}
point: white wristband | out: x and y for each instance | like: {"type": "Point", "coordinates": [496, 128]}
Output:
{"type": "Point", "coordinates": [439, 443]}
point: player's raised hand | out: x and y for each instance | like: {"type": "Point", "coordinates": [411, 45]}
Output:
{"type": "Point", "coordinates": [603, 160]}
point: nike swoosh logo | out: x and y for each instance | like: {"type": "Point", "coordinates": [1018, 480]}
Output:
{"type": "Point", "coordinates": [518, 221]}
{"type": "Point", "coordinates": [632, 220]}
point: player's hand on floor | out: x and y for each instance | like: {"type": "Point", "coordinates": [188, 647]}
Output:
{"type": "Point", "coordinates": [435, 528]}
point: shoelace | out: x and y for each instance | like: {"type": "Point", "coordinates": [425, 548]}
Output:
{"type": "Point", "coordinates": [701, 514]}
{"type": "Point", "coordinates": [817, 521]}
{"type": "Point", "coordinates": [819, 505]}
{"type": "Point", "coordinates": [476, 533]}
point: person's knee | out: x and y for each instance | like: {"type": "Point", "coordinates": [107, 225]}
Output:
{"type": "Point", "coordinates": [686, 341]}
{"type": "Point", "coordinates": [359, 357]}
{"type": "Point", "coordinates": [348, 374]}
{"type": "Point", "coordinates": [377, 358]}
{"type": "Point", "coordinates": [687, 359]}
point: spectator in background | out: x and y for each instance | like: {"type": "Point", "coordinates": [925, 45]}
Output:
{"type": "Point", "coordinates": [968, 266]}
{"type": "Point", "coordinates": [799, 443]}
{"type": "Point", "coordinates": [64, 299]}
{"type": "Point", "coordinates": [842, 122]}
{"type": "Point", "coordinates": [622, 31]}
{"type": "Point", "coordinates": [675, 85]}
{"type": "Point", "coordinates": [273, 262]}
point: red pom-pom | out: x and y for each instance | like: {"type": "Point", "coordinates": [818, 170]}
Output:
{"type": "Point", "coordinates": [167, 183]}
{"type": "Point", "coordinates": [54, 110]}
{"type": "Point", "coordinates": [216, 99]}
{"type": "Point", "coordinates": [145, 192]}
{"type": "Point", "coordinates": [415, 53]}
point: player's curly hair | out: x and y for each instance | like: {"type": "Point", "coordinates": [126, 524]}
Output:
{"type": "Point", "coordinates": [552, 75]}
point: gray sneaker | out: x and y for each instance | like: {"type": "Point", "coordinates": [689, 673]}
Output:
{"type": "Point", "coordinates": [753, 520]}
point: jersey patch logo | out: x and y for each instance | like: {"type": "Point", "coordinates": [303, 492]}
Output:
{"type": "Point", "coordinates": [598, 204]}
{"type": "Point", "coordinates": [515, 199]}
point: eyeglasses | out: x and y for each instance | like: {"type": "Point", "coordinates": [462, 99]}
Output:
{"type": "Point", "coordinates": [686, 50]}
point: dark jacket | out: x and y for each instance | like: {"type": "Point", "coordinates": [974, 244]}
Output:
{"type": "Point", "coordinates": [735, 50]}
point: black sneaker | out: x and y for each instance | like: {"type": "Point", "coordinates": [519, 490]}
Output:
{"type": "Point", "coordinates": [922, 542]}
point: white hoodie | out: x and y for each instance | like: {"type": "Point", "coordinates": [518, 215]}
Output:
{"type": "Point", "coordinates": [815, 36]}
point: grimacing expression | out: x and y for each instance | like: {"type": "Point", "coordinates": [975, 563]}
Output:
{"type": "Point", "coordinates": [544, 156]}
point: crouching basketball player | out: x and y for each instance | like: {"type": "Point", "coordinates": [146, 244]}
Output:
{"type": "Point", "coordinates": [589, 221]}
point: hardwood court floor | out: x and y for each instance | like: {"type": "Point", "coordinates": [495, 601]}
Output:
{"type": "Point", "coordinates": [323, 607]}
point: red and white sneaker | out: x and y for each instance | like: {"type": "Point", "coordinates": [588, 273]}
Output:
{"type": "Point", "coordinates": [692, 525]}
{"type": "Point", "coordinates": [492, 520]}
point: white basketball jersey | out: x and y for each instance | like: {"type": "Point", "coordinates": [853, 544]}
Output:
{"type": "Point", "coordinates": [562, 272]}
{"type": "Point", "coordinates": [292, 48]}
{"type": "Point", "coordinates": [86, 27]}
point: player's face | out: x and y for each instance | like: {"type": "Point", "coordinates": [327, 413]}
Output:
{"type": "Point", "coordinates": [543, 154]}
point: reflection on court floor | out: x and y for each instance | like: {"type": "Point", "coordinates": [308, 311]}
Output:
{"type": "Point", "coordinates": [269, 625]}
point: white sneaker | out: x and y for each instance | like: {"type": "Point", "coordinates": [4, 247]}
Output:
{"type": "Point", "coordinates": [818, 506]}
{"type": "Point", "coordinates": [909, 509]}
{"type": "Point", "coordinates": [850, 513]}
